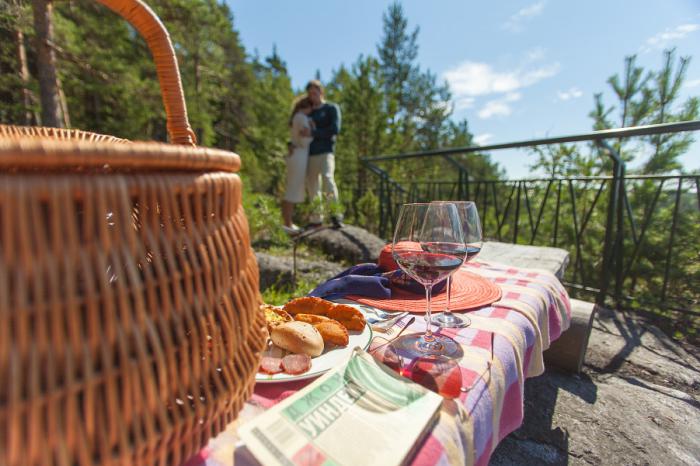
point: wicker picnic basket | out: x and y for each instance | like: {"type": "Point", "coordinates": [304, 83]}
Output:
{"type": "Point", "coordinates": [129, 323]}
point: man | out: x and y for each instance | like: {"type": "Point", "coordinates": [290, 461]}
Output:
{"type": "Point", "coordinates": [321, 166]}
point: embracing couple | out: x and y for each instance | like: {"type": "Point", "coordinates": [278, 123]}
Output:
{"type": "Point", "coordinates": [314, 125]}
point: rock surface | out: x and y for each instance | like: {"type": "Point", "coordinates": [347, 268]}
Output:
{"type": "Point", "coordinates": [636, 402]}
{"type": "Point", "coordinates": [350, 244]}
{"type": "Point", "coordinates": [276, 270]}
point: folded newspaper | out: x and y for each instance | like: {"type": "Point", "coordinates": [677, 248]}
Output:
{"type": "Point", "coordinates": [359, 413]}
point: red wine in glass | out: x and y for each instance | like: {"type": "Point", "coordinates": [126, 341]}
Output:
{"type": "Point", "coordinates": [472, 251]}
{"type": "Point", "coordinates": [429, 268]}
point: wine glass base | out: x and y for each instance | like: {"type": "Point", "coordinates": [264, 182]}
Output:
{"type": "Point", "coordinates": [449, 320]}
{"type": "Point", "coordinates": [415, 345]}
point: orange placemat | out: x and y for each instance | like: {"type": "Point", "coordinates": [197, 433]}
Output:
{"type": "Point", "coordinates": [469, 291]}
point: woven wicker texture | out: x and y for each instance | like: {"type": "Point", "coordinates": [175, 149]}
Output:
{"type": "Point", "coordinates": [54, 134]}
{"type": "Point", "coordinates": [129, 322]}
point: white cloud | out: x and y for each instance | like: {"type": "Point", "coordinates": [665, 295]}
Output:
{"type": "Point", "coordinates": [662, 39]}
{"type": "Point", "coordinates": [534, 54]}
{"type": "Point", "coordinates": [481, 139]}
{"type": "Point", "coordinates": [498, 107]}
{"type": "Point", "coordinates": [471, 79]}
{"type": "Point", "coordinates": [693, 83]}
{"type": "Point", "coordinates": [515, 22]}
{"type": "Point", "coordinates": [464, 103]}
{"type": "Point", "coordinates": [572, 93]}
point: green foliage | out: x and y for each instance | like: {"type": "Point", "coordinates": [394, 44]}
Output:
{"type": "Point", "coordinates": [643, 97]}
{"type": "Point", "coordinates": [282, 293]}
{"type": "Point", "coordinates": [15, 26]}
{"type": "Point", "coordinates": [264, 146]}
{"type": "Point", "coordinates": [107, 74]}
{"type": "Point", "coordinates": [264, 219]}
{"type": "Point", "coordinates": [368, 211]}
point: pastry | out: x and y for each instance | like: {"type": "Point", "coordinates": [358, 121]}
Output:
{"type": "Point", "coordinates": [308, 305]}
{"type": "Point", "coordinates": [274, 316]}
{"type": "Point", "coordinates": [350, 317]}
{"type": "Point", "coordinates": [331, 330]}
{"type": "Point", "coordinates": [311, 318]}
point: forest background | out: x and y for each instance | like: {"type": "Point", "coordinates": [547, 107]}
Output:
{"type": "Point", "coordinates": [106, 82]}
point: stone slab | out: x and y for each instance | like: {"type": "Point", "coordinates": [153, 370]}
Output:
{"type": "Point", "coordinates": [569, 350]}
{"type": "Point", "coordinates": [554, 260]}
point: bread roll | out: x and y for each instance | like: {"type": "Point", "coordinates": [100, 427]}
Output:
{"type": "Point", "coordinates": [298, 337]}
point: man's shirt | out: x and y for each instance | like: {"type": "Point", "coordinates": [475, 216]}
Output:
{"type": "Point", "coordinates": [327, 121]}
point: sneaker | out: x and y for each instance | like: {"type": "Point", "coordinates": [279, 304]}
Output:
{"type": "Point", "coordinates": [336, 222]}
{"type": "Point", "coordinates": [292, 230]}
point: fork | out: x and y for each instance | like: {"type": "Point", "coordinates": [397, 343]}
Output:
{"type": "Point", "coordinates": [381, 316]}
{"type": "Point", "coordinates": [386, 322]}
{"type": "Point", "coordinates": [399, 326]}
{"type": "Point", "coordinates": [388, 328]}
{"type": "Point", "coordinates": [394, 332]}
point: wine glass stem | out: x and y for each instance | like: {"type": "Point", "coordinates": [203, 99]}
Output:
{"type": "Point", "coordinates": [449, 294]}
{"type": "Point", "coordinates": [428, 332]}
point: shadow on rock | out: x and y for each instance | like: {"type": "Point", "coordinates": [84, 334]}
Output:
{"type": "Point", "coordinates": [537, 441]}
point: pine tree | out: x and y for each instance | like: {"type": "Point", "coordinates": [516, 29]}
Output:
{"type": "Point", "coordinates": [663, 96]}
{"type": "Point", "coordinates": [264, 146]}
{"type": "Point", "coordinates": [108, 74]}
{"type": "Point", "coordinates": [46, 64]}
{"type": "Point", "coordinates": [634, 100]}
{"type": "Point", "coordinates": [359, 93]}
{"type": "Point", "coordinates": [18, 101]}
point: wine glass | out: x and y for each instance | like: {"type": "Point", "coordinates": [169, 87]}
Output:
{"type": "Point", "coordinates": [471, 228]}
{"type": "Point", "coordinates": [428, 246]}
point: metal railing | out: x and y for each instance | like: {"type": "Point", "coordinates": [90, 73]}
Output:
{"type": "Point", "coordinates": [632, 238]}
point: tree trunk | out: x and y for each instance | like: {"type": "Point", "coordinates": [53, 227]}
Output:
{"type": "Point", "coordinates": [46, 64]}
{"type": "Point", "coordinates": [29, 116]}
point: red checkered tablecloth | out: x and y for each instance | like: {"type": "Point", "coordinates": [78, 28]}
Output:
{"type": "Point", "coordinates": [484, 389]}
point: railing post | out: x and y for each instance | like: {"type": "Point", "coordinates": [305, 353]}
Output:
{"type": "Point", "coordinates": [613, 242]}
{"type": "Point", "coordinates": [619, 235]}
{"type": "Point", "coordinates": [460, 191]}
{"type": "Point", "coordinates": [462, 178]}
{"type": "Point", "coordinates": [516, 220]}
{"type": "Point", "coordinates": [464, 184]}
{"type": "Point", "coordinates": [382, 206]}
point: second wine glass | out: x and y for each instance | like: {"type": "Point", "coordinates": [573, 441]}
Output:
{"type": "Point", "coordinates": [471, 229]}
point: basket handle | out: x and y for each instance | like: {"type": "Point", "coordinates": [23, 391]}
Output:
{"type": "Point", "coordinates": [145, 21]}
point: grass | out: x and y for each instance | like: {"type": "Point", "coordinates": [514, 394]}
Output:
{"type": "Point", "coordinates": [279, 295]}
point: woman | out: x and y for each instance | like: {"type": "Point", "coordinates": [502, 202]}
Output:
{"type": "Point", "coordinates": [297, 161]}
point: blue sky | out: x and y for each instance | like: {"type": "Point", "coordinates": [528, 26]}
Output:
{"type": "Point", "coordinates": [517, 69]}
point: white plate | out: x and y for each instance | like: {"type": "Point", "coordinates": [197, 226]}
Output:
{"type": "Point", "coordinates": [325, 362]}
